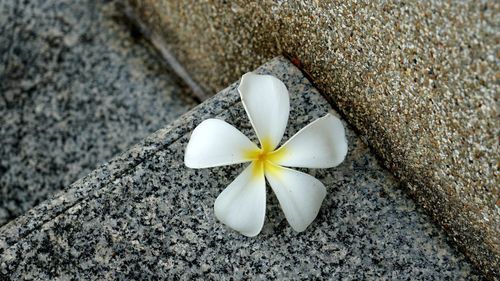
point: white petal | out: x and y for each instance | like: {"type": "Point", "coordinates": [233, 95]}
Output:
{"type": "Point", "coordinates": [242, 205]}
{"type": "Point", "coordinates": [321, 144]}
{"type": "Point", "coordinates": [300, 195]}
{"type": "Point", "coordinates": [267, 104]}
{"type": "Point", "coordinates": [216, 143]}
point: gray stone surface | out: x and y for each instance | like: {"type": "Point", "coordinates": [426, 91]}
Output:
{"type": "Point", "coordinates": [76, 88]}
{"type": "Point", "coordinates": [144, 215]}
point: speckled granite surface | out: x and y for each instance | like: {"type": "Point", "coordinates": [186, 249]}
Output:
{"type": "Point", "coordinates": [76, 88]}
{"type": "Point", "coordinates": [418, 79]}
{"type": "Point", "coordinates": [145, 215]}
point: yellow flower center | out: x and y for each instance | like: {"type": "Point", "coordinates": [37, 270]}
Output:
{"type": "Point", "coordinates": [264, 158]}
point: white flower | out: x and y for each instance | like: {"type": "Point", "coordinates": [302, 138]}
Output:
{"type": "Point", "coordinates": [242, 205]}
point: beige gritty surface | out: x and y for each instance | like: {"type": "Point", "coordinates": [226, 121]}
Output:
{"type": "Point", "coordinates": [419, 80]}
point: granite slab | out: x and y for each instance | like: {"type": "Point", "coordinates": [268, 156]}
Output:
{"type": "Point", "coordinates": [144, 215]}
{"type": "Point", "coordinates": [77, 87]}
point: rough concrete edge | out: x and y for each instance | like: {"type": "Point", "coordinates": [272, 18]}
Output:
{"type": "Point", "coordinates": [164, 50]}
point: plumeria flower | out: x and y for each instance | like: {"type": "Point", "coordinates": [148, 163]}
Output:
{"type": "Point", "coordinates": [242, 205]}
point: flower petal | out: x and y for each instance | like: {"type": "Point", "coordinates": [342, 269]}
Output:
{"type": "Point", "coordinates": [300, 195]}
{"type": "Point", "coordinates": [216, 143]}
{"type": "Point", "coordinates": [321, 144]}
{"type": "Point", "coordinates": [267, 104]}
{"type": "Point", "coordinates": [242, 205]}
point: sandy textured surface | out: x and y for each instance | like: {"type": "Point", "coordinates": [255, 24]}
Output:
{"type": "Point", "coordinates": [418, 80]}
